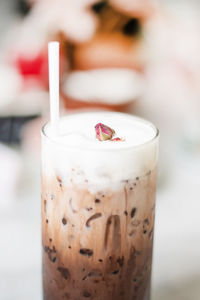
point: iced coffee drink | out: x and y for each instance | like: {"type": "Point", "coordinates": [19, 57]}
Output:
{"type": "Point", "coordinates": [98, 203]}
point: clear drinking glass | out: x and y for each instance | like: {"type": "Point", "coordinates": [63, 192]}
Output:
{"type": "Point", "coordinates": [98, 209]}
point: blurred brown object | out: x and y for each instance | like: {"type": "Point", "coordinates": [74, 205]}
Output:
{"type": "Point", "coordinates": [117, 44]}
{"type": "Point", "coordinates": [109, 50]}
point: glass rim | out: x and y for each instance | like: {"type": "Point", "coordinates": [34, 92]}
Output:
{"type": "Point", "coordinates": [148, 142]}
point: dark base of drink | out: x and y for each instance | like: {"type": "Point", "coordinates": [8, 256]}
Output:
{"type": "Point", "coordinates": [113, 281]}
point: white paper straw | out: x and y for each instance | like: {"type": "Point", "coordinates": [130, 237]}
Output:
{"type": "Point", "coordinates": [53, 54]}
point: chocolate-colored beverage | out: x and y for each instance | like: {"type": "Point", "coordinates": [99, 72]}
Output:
{"type": "Point", "coordinates": [98, 201]}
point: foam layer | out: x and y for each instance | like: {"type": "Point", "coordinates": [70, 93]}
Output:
{"type": "Point", "coordinates": [77, 156]}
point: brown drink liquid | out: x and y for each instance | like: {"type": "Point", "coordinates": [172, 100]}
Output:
{"type": "Point", "coordinates": [97, 242]}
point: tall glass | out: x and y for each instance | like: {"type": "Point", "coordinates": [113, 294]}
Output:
{"type": "Point", "coordinates": [98, 206]}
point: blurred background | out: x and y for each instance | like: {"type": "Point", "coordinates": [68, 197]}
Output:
{"type": "Point", "coordinates": [135, 56]}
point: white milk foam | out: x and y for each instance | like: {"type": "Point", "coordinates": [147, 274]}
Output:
{"type": "Point", "coordinates": [77, 156]}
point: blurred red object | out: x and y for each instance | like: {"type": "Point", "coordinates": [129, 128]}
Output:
{"type": "Point", "coordinates": [30, 66]}
{"type": "Point", "coordinates": [34, 67]}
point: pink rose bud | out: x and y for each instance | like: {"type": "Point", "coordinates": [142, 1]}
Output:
{"type": "Point", "coordinates": [103, 132]}
{"type": "Point", "coordinates": [117, 139]}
